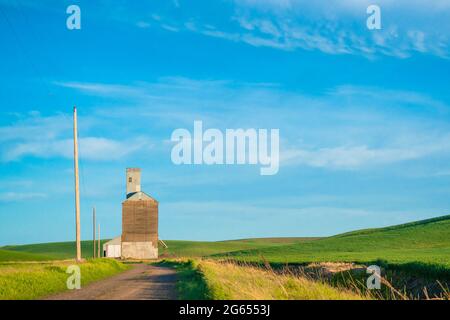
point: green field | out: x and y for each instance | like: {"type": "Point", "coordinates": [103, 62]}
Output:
{"type": "Point", "coordinates": [66, 250]}
{"type": "Point", "coordinates": [204, 248]}
{"type": "Point", "coordinates": [418, 251]}
{"type": "Point", "coordinates": [9, 255]}
{"type": "Point", "coordinates": [24, 281]}
{"type": "Point", "coordinates": [423, 244]}
{"type": "Point", "coordinates": [419, 246]}
{"type": "Point", "coordinates": [45, 251]}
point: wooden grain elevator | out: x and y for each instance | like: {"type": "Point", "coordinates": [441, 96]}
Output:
{"type": "Point", "coordinates": [139, 220]}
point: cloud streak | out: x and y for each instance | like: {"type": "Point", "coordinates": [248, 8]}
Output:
{"type": "Point", "coordinates": [20, 196]}
{"type": "Point", "coordinates": [51, 137]}
{"type": "Point", "coordinates": [346, 128]}
{"type": "Point", "coordinates": [91, 148]}
{"type": "Point", "coordinates": [361, 156]}
{"type": "Point", "coordinates": [331, 27]}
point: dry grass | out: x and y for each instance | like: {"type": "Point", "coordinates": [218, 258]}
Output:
{"type": "Point", "coordinates": [394, 286]}
{"type": "Point", "coordinates": [228, 281]}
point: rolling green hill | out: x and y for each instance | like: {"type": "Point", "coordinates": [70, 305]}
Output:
{"type": "Point", "coordinates": [45, 251]}
{"type": "Point", "coordinates": [205, 248]}
{"type": "Point", "coordinates": [66, 250]}
{"type": "Point", "coordinates": [424, 242]}
{"type": "Point", "coordinates": [8, 255]}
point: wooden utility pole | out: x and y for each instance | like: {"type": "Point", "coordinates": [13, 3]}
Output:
{"type": "Point", "coordinates": [77, 184]}
{"type": "Point", "coordinates": [93, 233]}
{"type": "Point", "coordinates": [99, 255]}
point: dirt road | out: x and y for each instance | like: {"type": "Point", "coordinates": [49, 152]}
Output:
{"type": "Point", "coordinates": [143, 282]}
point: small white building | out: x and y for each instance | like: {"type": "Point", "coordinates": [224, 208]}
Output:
{"type": "Point", "coordinates": [112, 248]}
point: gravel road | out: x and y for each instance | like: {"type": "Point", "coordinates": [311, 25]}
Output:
{"type": "Point", "coordinates": [142, 282]}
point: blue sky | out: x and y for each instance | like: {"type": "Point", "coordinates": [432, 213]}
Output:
{"type": "Point", "coordinates": [363, 115]}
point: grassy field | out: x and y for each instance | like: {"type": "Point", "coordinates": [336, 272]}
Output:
{"type": "Point", "coordinates": [46, 251]}
{"type": "Point", "coordinates": [418, 251]}
{"type": "Point", "coordinates": [418, 248]}
{"type": "Point", "coordinates": [423, 243]}
{"type": "Point", "coordinates": [24, 281]}
{"type": "Point", "coordinates": [204, 249]}
{"type": "Point", "coordinates": [413, 256]}
{"type": "Point", "coordinates": [211, 279]}
{"type": "Point", "coordinates": [420, 245]}
{"type": "Point", "coordinates": [8, 255]}
{"type": "Point", "coordinates": [66, 250]}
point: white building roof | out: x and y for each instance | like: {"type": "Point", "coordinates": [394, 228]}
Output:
{"type": "Point", "coordinates": [117, 240]}
{"type": "Point", "coordinates": [139, 196]}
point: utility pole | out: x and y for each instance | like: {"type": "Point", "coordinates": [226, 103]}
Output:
{"type": "Point", "coordinates": [77, 184]}
{"type": "Point", "coordinates": [99, 255]}
{"type": "Point", "coordinates": [93, 233]}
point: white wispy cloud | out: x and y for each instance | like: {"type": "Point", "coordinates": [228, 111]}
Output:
{"type": "Point", "coordinates": [91, 148]}
{"type": "Point", "coordinates": [332, 27]}
{"type": "Point", "coordinates": [34, 126]}
{"type": "Point", "coordinates": [20, 196]}
{"type": "Point", "coordinates": [345, 157]}
{"type": "Point", "coordinates": [49, 137]}
{"type": "Point", "coordinates": [346, 127]}
{"type": "Point", "coordinates": [328, 38]}
{"type": "Point", "coordinates": [143, 24]}
{"type": "Point", "coordinates": [392, 97]}
{"type": "Point", "coordinates": [346, 5]}
{"type": "Point", "coordinates": [113, 90]}
{"type": "Point", "coordinates": [329, 26]}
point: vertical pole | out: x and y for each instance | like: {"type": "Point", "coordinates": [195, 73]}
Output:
{"type": "Point", "coordinates": [77, 184]}
{"type": "Point", "coordinates": [99, 252]}
{"type": "Point", "coordinates": [93, 233]}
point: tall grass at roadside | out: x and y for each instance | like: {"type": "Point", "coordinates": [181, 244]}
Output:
{"type": "Point", "coordinates": [32, 281]}
{"type": "Point", "coordinates": [191, 284]}
{"type": "Point", "coordinates": [221, 280]}
{"type": "Point", "coordinates": [395, 285]}
{"type": "Point", "coordinates": [231, 281]}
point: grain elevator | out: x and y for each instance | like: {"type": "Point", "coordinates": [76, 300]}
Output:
{"type": "Point", "coordinates": [139, 220]}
